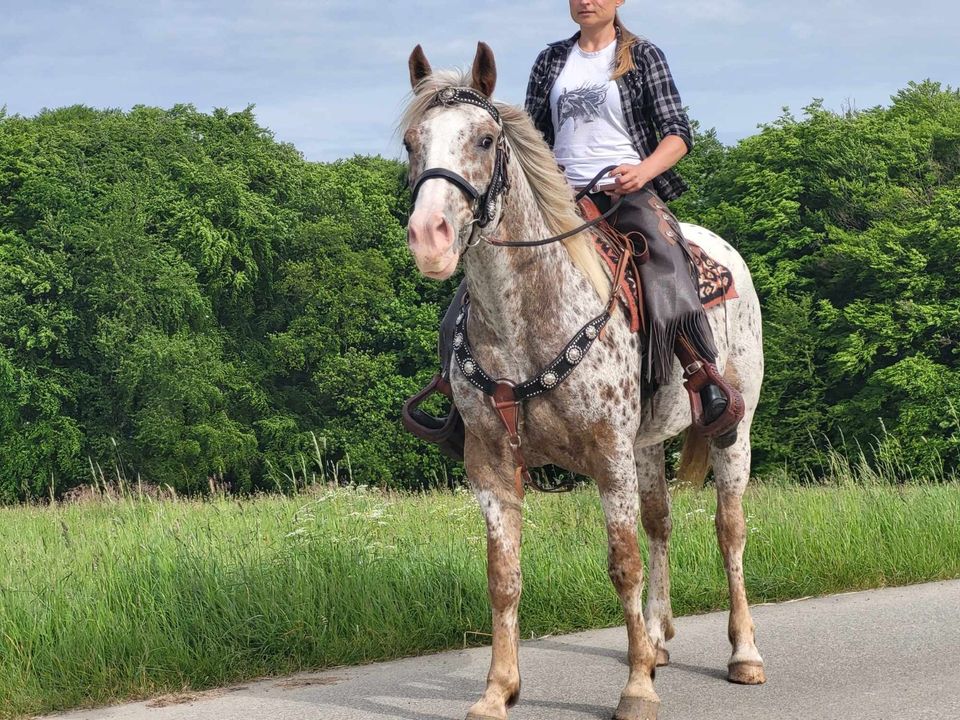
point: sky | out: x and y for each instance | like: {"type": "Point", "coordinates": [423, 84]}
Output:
{"type": "Point", "coordinates": [331, 77]}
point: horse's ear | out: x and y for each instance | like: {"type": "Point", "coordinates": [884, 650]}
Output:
{"type": "Point", "coordinates": [484, 73]}
{"type": "Point", "coordinates": [419, 67]}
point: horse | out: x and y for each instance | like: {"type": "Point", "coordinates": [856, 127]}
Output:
{"type": "Point", "coordinates": [525, 305]}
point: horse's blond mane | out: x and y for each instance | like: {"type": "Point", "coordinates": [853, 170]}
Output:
{"type": "Point", "coordinates": [553, 195]}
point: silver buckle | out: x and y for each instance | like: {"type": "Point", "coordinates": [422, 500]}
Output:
{"type": "Point", "coordinates": [446, 96]}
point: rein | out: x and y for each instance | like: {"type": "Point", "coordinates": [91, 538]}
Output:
{"type": "Point", "coordinates": [505, 395]}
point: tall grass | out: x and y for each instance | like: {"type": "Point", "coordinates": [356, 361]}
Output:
{"type": "Point", "coordinates": [127, 598]}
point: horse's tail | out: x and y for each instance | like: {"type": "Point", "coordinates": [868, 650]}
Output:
{"type": "Point", "coordinates": [694, 459]}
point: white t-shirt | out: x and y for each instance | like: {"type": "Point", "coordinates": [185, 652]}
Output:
{"type": "Point", "coordinates": [589, 128]}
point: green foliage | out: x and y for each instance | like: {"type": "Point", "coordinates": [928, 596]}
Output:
{"type": "Point", "coordinates": [182, 298]}
{"type": "Point", "coordinates": [181, 292]}
{"type": "Point", "coordinates": [851, 227]}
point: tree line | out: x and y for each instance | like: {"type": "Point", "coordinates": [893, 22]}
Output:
{"type": "Point", "coordinates": [184, 299]}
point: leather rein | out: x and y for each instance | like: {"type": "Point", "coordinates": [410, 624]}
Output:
{"type": "Point", "coordinates": [505, 395]}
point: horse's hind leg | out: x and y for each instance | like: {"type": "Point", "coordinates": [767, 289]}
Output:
{"type": "Point", "coordinates": [491, 478]}
{"type": "Point", "coordinates": [731, 467]}
{"type": "Point", "coordinates": [619, 497]}
{"type": "Point", "coordinates": [655, 515]}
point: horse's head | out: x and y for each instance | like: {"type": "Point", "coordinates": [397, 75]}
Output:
{"type": "Point", "coordinates": [454, 140]}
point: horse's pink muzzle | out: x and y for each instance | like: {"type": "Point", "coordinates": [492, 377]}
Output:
{"type": "Point", "coordinates": [431, 240]}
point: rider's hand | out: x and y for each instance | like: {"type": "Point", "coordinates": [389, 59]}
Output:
{"type": "Point", "coordinates": [630, 178]}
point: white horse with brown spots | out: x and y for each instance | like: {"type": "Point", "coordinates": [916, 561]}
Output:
{"type": "Point", "coordinates": [525, 305]}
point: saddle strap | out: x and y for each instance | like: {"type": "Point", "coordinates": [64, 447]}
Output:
{"type": "Point", "coordinates": [631, 250]}
{"type": "Point", "coordinates": [505, 401]}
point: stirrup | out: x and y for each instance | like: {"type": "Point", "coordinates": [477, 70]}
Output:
{"type": "Point", "coordinates": [446, 433]}
{"type": "Point", "coordinates": [713, 407]}
{"type": "Point", "coordinates": [723, 430]}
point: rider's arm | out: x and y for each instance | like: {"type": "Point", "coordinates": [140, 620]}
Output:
{"type": "Point", "coordinates": [634, 177]}
{"type": "Point", "coordinates": [662, 107]}
{"type": "Point", "coordinates": [537, 103]}
{"type": "Point", "coordinates": [661, 99]}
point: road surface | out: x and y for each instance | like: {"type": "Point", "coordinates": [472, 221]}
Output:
{"type": "Point", "coordinates": [891, 654]}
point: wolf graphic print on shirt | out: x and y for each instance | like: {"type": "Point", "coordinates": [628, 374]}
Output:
{"type": "Point", "coordinates": [583, 105]}
{"type": "Point", "coordinates": [587, 109]}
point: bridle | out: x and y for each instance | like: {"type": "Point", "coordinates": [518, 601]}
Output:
{"type": "Point", "coordinates": [484, 203]}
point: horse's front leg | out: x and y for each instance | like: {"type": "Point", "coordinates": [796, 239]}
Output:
{"type": "Point", "coordinates": [490, 471]}
{"type": "Point", "coordinates": [618, 495]}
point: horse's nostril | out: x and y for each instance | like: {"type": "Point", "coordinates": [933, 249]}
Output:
{"type": "Point", "coordinates": [442, 230]}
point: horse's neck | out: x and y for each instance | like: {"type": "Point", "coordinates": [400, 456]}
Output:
{"type": "Point", "coordinates": [525, 302]}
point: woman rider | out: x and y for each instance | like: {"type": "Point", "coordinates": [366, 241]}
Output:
{"type": "Point", "coordinates": [600, 98]}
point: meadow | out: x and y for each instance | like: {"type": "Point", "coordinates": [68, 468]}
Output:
{"type": "Point", "coordinates": [127, 598]}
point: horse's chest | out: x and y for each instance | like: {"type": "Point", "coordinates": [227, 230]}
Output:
{"type": "Point", "coordinates": [596, 406]}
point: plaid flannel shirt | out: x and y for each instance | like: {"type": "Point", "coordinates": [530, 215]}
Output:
{"type": "Point", "coordinates": [649, 98]}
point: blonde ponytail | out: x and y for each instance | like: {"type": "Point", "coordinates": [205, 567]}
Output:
{"type": "Point", "coordinates": [624, 58]}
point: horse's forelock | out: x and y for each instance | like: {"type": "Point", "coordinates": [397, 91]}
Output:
{"type": "Point", "coordinates": [421, 97]}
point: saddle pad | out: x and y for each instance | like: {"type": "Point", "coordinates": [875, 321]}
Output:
{"type": "Point", "coordinates": [716, 280]}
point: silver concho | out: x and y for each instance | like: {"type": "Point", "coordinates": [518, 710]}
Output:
{"type": "Point", "coordinates": [458, 340]}
{"type": "Point", "coordinates": [469, 368]}
{"type": "Point", "coordinates": [591, 331]}
{"type": "Point", "coordinates": [549, 379]}
{"type": "Point", "coordinates": [574, 355]}
{"type": "Point", "coordinates": [446, 95]}
{"type": "Point", "coordinates": [460, 317]}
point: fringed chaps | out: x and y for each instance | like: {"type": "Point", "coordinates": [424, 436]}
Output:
{"type": "Point", "coordinates": [671, 284]}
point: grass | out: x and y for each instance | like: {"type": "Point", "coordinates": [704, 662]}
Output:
{"type": "Point", "coordinates": [124, 599]}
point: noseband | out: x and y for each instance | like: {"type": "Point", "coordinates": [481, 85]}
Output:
{"type": "Point", "coordinates": [483, 203]}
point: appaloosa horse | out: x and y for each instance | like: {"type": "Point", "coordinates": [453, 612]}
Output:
{"type": "Point", "coordinates": [483, 175]}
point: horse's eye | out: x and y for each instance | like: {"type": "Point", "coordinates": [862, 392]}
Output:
{"type": "Point", "coordinates": [406, 145]}
{"type": "Point", "coordinates": [486, 142]}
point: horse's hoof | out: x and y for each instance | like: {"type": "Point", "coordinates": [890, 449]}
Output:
{"type": "Point", "coordinates": [663, 657]}
{"type": "Point", "coordinates": [746, 673]}
{"type": "Point", "coordinates": [636, 708]}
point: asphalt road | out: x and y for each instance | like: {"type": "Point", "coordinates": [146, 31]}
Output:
{"type": "Point", "coordinates": [887, 654]}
